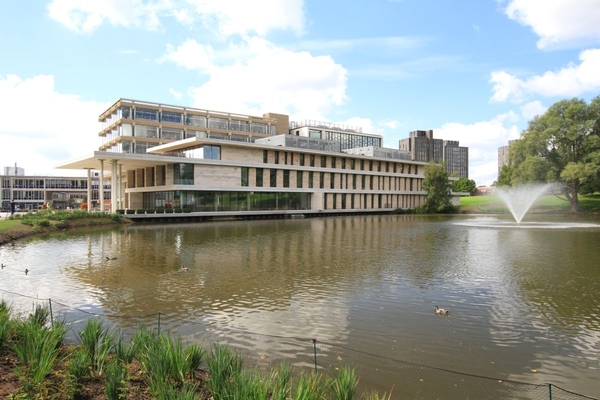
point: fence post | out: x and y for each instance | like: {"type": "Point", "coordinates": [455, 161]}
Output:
{"type": "Point", "coordinates": [51, 316]}
{"type": "Point", "coordinates": [159, 322]}
{"type": "Point", "coordinates": [549, 391]}
{"type": "Point", "coordinates": [315, 353]}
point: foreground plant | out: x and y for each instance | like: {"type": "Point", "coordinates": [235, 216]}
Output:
{"type": "Point", "coordinates": [37, 349]}
{"type": "Point", "coordinates": [97, 341]}
{"type": "Point", "coordinates": [344, 385]}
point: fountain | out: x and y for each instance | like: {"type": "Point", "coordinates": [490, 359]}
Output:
{"type": "Point", "coordinates": [519, 199]}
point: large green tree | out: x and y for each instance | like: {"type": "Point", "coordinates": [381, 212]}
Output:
{"type": "Point", "coordinates": [561, 146]}
{"type": "Point", "coordinates": [437, 185]}
{"type": "Point", "coordinates": [465, 185]}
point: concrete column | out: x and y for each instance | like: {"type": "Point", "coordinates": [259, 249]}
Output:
{"type": "Point", "coordinates": [101, 187]}
{"type": "Point", "coordinates": [89, 190]}
{"type": "Point", "coordinates": [113, 186]}
{"type": "Point", "coordinates": [120, 188]}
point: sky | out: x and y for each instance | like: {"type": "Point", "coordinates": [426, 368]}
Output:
{"type": "Point", "coordinates": [474, 71]}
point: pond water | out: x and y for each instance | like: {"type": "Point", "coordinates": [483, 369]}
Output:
{"type": "Point", "coordinates": [524, 300]}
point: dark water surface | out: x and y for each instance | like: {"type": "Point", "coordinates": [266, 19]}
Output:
{"type": "Point", "coordinates": [524, 300]}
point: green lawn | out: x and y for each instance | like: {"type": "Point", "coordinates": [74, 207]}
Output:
{"type": "Point", "coordinates": [549, 203]}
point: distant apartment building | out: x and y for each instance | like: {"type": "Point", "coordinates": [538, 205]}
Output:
{"type": "Point", "coordinates": [32, 192]}
{"type": "Point", "coordinates": [503, 155]}
{"type": "Point", "coordinates": [423, 147]}
{"type": "Point", "coordinates": [14, 171]}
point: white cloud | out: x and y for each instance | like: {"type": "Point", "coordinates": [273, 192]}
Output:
{"type": "Point", "coordinates": [532, 109]}
{"type": "Point", "coordinates": [42, 128]}
{"type": "Point", "coordinates": [559, 22]}
{"type": "Point", "coordinates": [390, 124]}
{"type": "Point", "coordinates": [572, 80]}
{"type": "Point", "coordinates": [483, 139]}
{"type": "Point", "coordinates": [244, 17]}
{"type": "Point", "coordinates": [83, 16]}
{"type": "Point", "coordinates": [191, 55]}
{"type": "Point", "coordinates": [226, 17]}
{"type": "Point", "coordinates": [270, 79]}
{"type": "Point", "coordinates": [175, 93]}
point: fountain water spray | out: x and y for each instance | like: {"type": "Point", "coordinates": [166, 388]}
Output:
{"type": "Point", "coordinates": [520, 198]}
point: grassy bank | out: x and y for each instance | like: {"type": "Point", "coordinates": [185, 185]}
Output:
{"type": "Point", "coordinates": [549, 204]}
{"type": "Point", "coordinates": [37, 364]}
{"type": "Point", "coordinates": [47, 221]}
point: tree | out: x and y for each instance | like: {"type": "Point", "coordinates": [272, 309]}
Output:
{"type": "Point", "coordinates": [561, 146]}
{"type": "Point", "coordinates": [437, 185]}
{"type": "Point", "coordinates": [505, 176]}
{"type": "Point", "coordinates": [465, 185]}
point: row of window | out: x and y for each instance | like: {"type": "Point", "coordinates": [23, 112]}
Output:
{"type": "Point", "coordinates": [48, 183]}
{"type": "Point", "coordinates": [190, 120]}
{"type": "Point", "coordinates": [335, 181]}
{"type": "Point", "coordinates": [288, 158]}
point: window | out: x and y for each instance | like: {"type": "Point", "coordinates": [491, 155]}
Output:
{"type": "Point", "coordinates": [299, 179]}
{"type": "Point", "coordinates": [195, 120]}
{"type": "Point", "coordinates": [322, 180]}
{"type": "Point", "coordinates": [371, 182]}
{"type": "Point", "coordinates": [286, 178]}
{"type": "Point", "coordinates": [218, 123]}
{"type": "Point", "coordinates": [364, 182]}
{"type": "Point", "coordinates": [212, 152]}
{"type": "Point", "coordinates": [343, 163]}
{"type": "Point", "coordinates": [276, 157]}
{"type": "Point", "coordinates": [244, 176]}
{"type": "Point", "coordinates": [265, 156]}
{"type": "Point", "coordinates": [143, 113]}
{"type": "Point", "coordinates": [370, 165]}
{"type": "Point", "coordinates": [323, 161]}
{"type": "Point", "coordinates": [332, 181]}
{"type": "Point", "coordinates": [259, 177]}
{"type": "Point", "coordinates": [352, 163]}
{"type": "Point", "coordinates": [167, 116]}
{"type": "Point", "coordinates": [312, 160]}
{"type": "Point", "coordinates": [171, 134]}
{"type": "Point", "coordinates": [146, 131]}
{"type": "Point", "coordinates": [273, 178]}
{"type": "Point", "coordinates": [183, 174]}
{"type": "Point", "coordinates": [362, 165]}
{"type": "Point", "coordinates": [333, 162]}
{"type": "Point", "coordinates": [286, 157]}
{"type": "Point", "coordinates": [353, 182]}
{"type": "Point", "coordinates": [302, 160]}
{"type": "Point", "coordinates": [310, 179]}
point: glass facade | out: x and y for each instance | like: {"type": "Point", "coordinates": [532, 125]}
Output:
{"type": "Point", "coordinates": [205, 201]}
{"type": "Point", "coordinates": [183, 174]}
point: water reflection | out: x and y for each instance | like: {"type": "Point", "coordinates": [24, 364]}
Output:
{"type": "Point", "coordinates": [520, 299]}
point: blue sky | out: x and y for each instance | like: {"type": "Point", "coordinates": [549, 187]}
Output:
{"type": "Point", "coordinates": [473, 71]}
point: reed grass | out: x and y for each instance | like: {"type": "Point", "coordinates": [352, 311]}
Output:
{"type": "Point", "coordinates": [37, 349]}
{"type": "Point", "coordinates": [224, 366]}
{"type": "Point", "coordinates": [343, 386]}
{"type": "Point", "coordinates": [116, 380]}
{"type": "Point", "coordinates": [310, 387]}
{"type": "Point", "coordinates": [97, 341]}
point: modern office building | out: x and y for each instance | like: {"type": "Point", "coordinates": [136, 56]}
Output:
{"type": "Point", "coordinates": [208, 163]}
{"type": "Point", "coordinates": [503, 155]}
{"type": "Point", "coordinates": [32, 192]}
{"type": "Point", "coordinates": [423, 147]}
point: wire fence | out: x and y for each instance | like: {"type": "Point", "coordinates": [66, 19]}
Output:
{"type": "Point", "coordinates": [404, 380]}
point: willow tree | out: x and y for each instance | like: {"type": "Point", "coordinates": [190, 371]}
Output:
{"type": "Point", "coordinates": [561, 146]}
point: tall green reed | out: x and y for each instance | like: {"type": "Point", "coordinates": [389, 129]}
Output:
{"type": "Point", "coordinates": [97, 340]}
{"type": "Point", "coordinates": [343, 386]}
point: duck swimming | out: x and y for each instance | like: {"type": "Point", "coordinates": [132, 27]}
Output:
{"type": "Point", "coordinates": [111, 258]}
{"type": "Point", "coordinates": [184, 268]}
{"type": "Point", "coordinates": [441, 311]}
